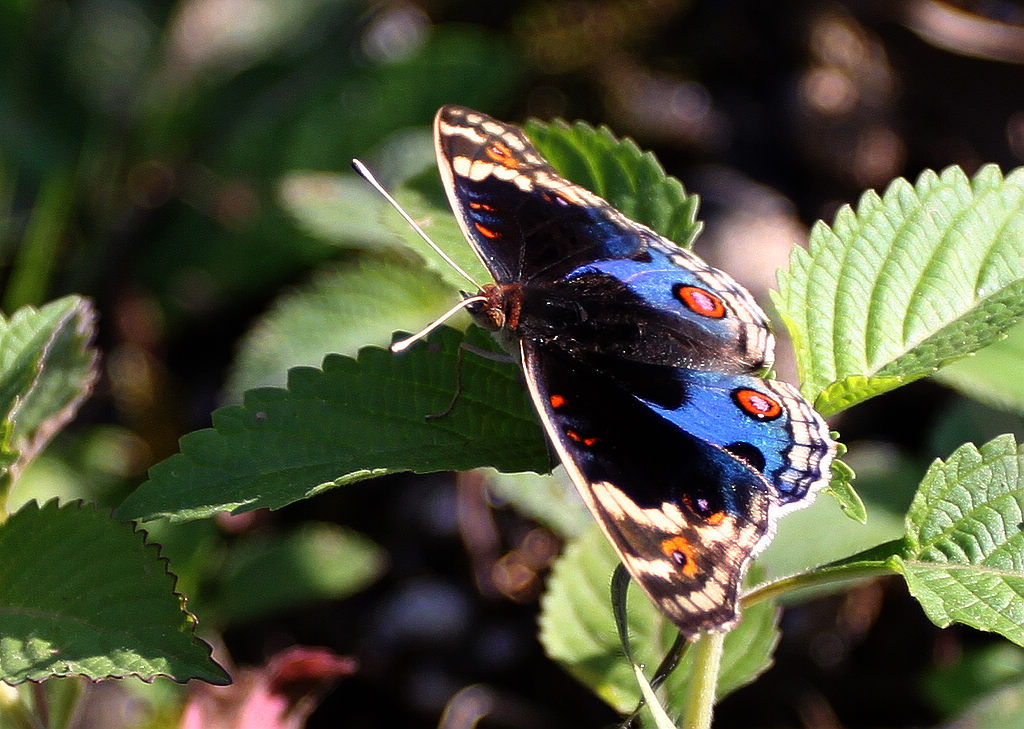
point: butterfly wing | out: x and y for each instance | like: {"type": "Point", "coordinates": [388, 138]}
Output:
{"type": "Point", "coordinates": [520, 215]}
{"type": "Point", "coordinates": [641, 362]}
{"type": "Point", "coordinates": [684, 515]}
{"type": "Point", "coordinates": [686, 472]}
{"type": "Point", "coordinates": [580, 261]}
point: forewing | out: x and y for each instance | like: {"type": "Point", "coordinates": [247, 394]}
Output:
{"type": "Point", "coordinates": [581, 262]}
{"type": "Point", "coordinates": [520, 215]}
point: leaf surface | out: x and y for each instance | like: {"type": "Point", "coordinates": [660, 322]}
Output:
{"type": "Point", "coordinates": [912, 280]}
{"type": "Point", "coordinates": [351, 420]}
{"type": "Point", "coordinates": [47, 368]}
{"type": "Point", "coordinates": [81, 594]}
{"type": "Point", "coordinates": [964, 554]}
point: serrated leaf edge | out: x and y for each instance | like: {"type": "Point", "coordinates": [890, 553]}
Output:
{"type": "Point", "coordinates": [81, 505]}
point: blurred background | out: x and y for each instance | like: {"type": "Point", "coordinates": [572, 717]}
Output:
{"type": "Point", "coordinates": [186, 165]}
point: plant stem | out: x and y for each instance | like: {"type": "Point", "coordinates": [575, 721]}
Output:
{"type": "Point", "coordinates": [700, 699]}
{"type": "Point", "coordinates": [815, 578]}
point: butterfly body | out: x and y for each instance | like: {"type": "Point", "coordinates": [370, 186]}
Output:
{"type": "Point", "coordinates": [645, 366]}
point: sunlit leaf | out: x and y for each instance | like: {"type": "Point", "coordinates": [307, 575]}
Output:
{"type": "Point", "coordinates": [632, 180]}
{"type": "Point", "coordinates": [81, 594]}
{"type": "Point", "coordinates": [964, 559]}
{"type": "Point", "coordinates": [351, 420]}
{"type": "Point", "coordinates": [47, 368]}
{"type": "Point", "coordinates": [910, 281]}
{"type": "Point", "coordinates": [341, 310]}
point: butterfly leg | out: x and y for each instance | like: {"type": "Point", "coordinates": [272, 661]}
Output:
{"type": "Point", "coordinates": [463, 347]}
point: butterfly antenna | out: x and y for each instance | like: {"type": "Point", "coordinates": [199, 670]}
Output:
{"type": "Point", "coordinates": [365, 173]}
{"type": "Point", "coordinates": [402, 344]}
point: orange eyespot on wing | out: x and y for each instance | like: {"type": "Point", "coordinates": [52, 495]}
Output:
{"type": "Point", "coordinates": [556, 401]}
{"type": "Point", "coordinates": [756, 404]}
{"type": "Point", "coordinates": [502, 155]}
{"type": "Point", "coordinates": [700, 301]}
{"type": "Point", "coordinates": [681, 553]}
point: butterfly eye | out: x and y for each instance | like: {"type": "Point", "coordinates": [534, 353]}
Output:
{"type": "Point", "coordinates": [699, 301]}
{"type": "Point", "coordinates": [680, 552]}
{"type": "Point", "coordinates": [756, 404]}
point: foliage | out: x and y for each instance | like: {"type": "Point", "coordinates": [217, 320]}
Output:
{"type": "Point", "coordinates": [86, 596]}
{"type": "Point", "coordinates": [911, 281]}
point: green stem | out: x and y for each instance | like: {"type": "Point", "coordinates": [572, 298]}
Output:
{"type": "Point", "coordinates": [700, 698]}
{"type": "Point", "coordinates": [821, 576]}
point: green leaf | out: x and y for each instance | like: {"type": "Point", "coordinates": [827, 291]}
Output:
{"type": "Point", "coordinates": [346, 211]}
{"type": "Point", "coordinates": [354, 419]}
{"type": "Point", "coordinates": [651, 701]}
{"type": "Point", "coordinates": [339, 209]}
{"type": "Point", "coordinates": [964, 555]}
{"type": "Point", "coordinates": [81, 594]}
{"type": "Point", "coordinates": [632, 180]}
{"type": "Point", "coordinates": [917, 278]}
{"type": "Point", "coordinates": [47, 368]}
{"type": "Point", "coordinates": [578, 630]}
{"type": "Point", "coordinates": [268, 573]}
{"type": "Point", "coordinates": [841, 489]}
{"type": "Point", "coordinates": [342, 309]}
{"type": "Point", "coordinates": [993, 375]}
{"type": "Point", "coordinates": [432, 213]}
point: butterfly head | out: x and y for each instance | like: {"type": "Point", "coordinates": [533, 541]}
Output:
{"type": "Point", "coordinates": [498, 306]}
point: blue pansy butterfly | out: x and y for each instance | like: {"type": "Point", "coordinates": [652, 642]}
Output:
{"type": "Point", "coordinates": [645, 366]}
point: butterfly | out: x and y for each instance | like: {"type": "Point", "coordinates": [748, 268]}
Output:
{"type": "Point", "coordinates": [645, 366]}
